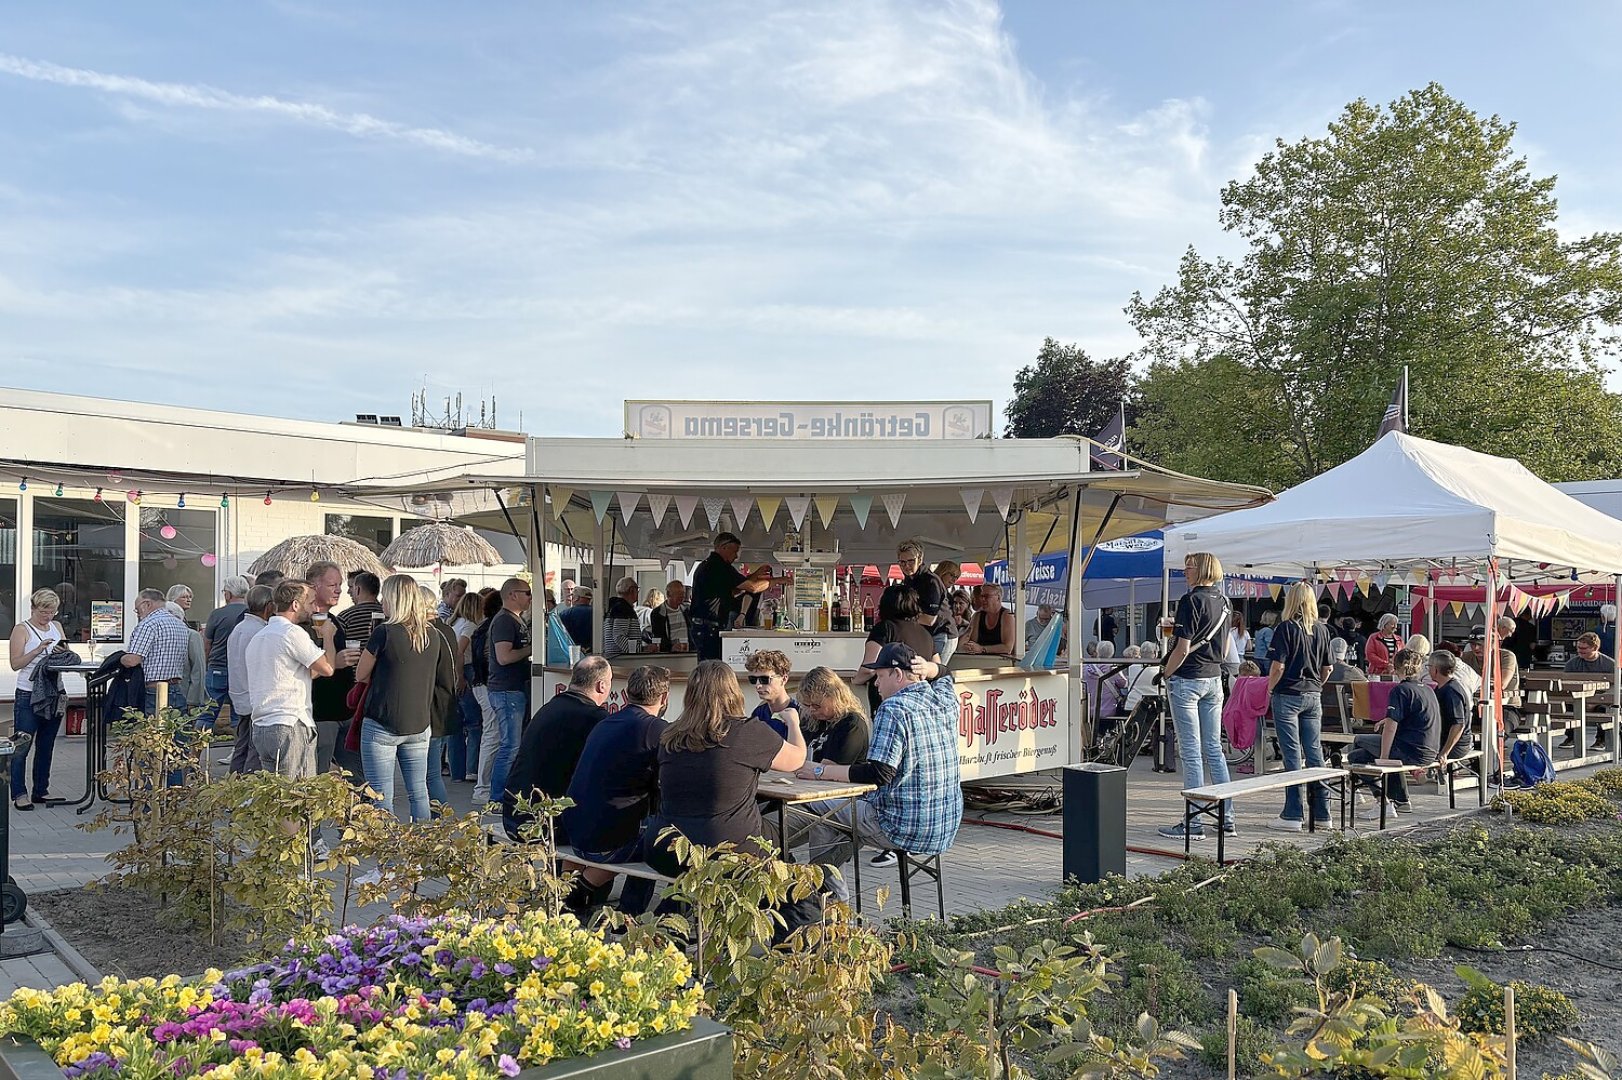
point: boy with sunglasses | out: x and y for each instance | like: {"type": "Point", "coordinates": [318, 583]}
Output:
{"type": "Point", "coordinates": [768, 674]}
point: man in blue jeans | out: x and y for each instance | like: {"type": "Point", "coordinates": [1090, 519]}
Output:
{"type": "Point", "coordinates": [1195, 670]}
{"type": "Point", "coordinates": [508, 684]}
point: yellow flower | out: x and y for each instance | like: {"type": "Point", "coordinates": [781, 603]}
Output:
{"type": "Point", "coordinates": [605, 1029]}
{"type": "Point", "coordinates": [596, 988]}
{"type": "Point", "coordinates": [631, 978]}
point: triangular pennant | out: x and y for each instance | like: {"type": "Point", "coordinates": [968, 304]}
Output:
{"type": "Point", "coordinates": [628, 501]}
{"type": "Point", "coordinates": [657, 505]}
{"type": "Point", "coordinates": [797, 506]}
{"type": "Point", "coordinates": [741, 505]}
{"type": "Point", "coordinates": [599, 503]}
{"type": "Point", "coordinates": [1419, 605]}
{"type": "Point", "coordinates": [1380, 580]}
{"type": "Point", "coordinates": [1274, 591]}
{"type": "Point", "coordinates": [712, 510]}
{"type": "Point", "coordinates": [768, 508]}
{"type": "Point", "coordinates": [971, 501]}
{"type": "Point", "coordinates": [1004, 498]}
{"type": "Point", "coordinates": [685, 505]}
{"type": "Point", "coordinates": [1457, 607]}
{"type": "Point", "coordinates": [861, 506]}
{"type": "Point", "coordinates": [826, 505]}
{"type": "Point", "coordinates": [893, 502]}
{"type": "Point", "coordinates": [560, 498]}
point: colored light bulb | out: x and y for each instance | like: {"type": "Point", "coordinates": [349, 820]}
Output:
{"type": "Point", "coordinates": [181, 504]}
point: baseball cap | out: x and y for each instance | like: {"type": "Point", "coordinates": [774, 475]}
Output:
{"type": "Point", "coordinates": [1478, 633]}
{"type": "Point", "coordinates": [897, 655]}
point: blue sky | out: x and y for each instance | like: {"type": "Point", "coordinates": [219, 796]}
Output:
{"type": "Point", "coordinates": [303, 208]}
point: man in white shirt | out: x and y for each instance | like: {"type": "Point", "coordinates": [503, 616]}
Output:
{"type": "Point", "coordinates": [281, 662]}
{"type": "Point", "coordinates": [260, 601]}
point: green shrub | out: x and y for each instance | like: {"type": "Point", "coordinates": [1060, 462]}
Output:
{"type": "Point", "coordinates": [1370, 978]}
{"type": "Point", "coordinates": [1251, 1042]}
{"type": "Point", "coordinates": [1267, 994]}
{"type": "Point", "coordinates": [1608, 782]}
{"type": "Point", "coordinates": [1539, 1010]}
{"type": "Point", "coordinates": [1558, 803]}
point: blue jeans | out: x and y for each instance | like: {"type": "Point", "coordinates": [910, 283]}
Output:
{"type": "Point", "coordinates": [177, 700]}
{"type": "Point", "coordinates": [1298, 721]}
{"type": "Point", "coordinates": [508, 707]}
{"type": "Point", "coordinates": [44, 747]}
{"type": "Point", "coordinates": [217, 687]}
{"type": "Point", "coordinates": [381, 750]}
{"type": "Point", "coordinates": [1196, 713]}
{"type": "Point", "coordinates": [436, 776]}
{"type": "Point", "coordinates": [464, 747]}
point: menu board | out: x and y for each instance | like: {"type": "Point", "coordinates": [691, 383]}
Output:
{"type": "Point", "coordinates": [106, 620]}
{"type": "Point", "coordinates": [810, 586]}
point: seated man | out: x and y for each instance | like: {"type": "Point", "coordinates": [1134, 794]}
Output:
{"type": "Point", "coordinates": [913, 760]}
{"type": "Point", "coordinates": [615, 785]}
{"type": "Point", "coordinates": [1590, 660]}
{"type": "Point", "coordinates": [1343, 671]}
{"type": "Point", "coordinates": [1410, 732]}
{"type": "Point", "coordinates": [1456, 708]}
{"type": "Point", "coordinates": [552, 743]}
{"type": "Point", "coordinates": [768, 675]}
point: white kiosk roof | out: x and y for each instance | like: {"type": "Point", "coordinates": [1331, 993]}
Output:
{"type": "Point", "coordinates": [1410, 502]}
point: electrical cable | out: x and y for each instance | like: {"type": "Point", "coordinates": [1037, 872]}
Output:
{"type": "Point", "coordinates": [1509, 950]}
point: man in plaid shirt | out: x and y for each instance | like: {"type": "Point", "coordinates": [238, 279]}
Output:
{"type": "Point", "coordinates": [913, 760]}
{"type": "Point", "coordinates": [158, 646]}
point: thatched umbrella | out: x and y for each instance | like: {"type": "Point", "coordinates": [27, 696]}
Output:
{"type": "Point", "coordinates": [294, 556]}
{"type": "Point", "coordinates": [440, 544]}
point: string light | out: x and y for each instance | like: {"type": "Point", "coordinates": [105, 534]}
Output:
{"type": "Point", "coordinates": [133, 496]}
{"type": "Point", "coordinates": [267, 498]}
{"type": "Point", "coordinates": [315, 496]}
{"type": "Point", "coordinates": [98, 494]}
{"type": "Point", "coordinates": [225, 501]}
{"type": "Point", "coordinates": [24, 485]}
{"type": "Point", "coordinates": [181, 505]}
{"type": "Point", "coordinates": [59, 491]}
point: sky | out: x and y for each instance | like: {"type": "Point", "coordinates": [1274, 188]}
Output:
{"type": "Point", "coordinates": [313, 209]}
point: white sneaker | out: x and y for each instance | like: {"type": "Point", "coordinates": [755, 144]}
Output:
{"type": "Point", "coordinates": [371, 877]}
{"type": "Point", "coordinates": [1279, 824]}
{"type": "Point", "coordinates": [883, 858]}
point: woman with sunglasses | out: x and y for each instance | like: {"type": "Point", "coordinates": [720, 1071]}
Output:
{"type": "Point", "coordinates": [768, 675]}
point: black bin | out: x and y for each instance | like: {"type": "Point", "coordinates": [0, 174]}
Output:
{"type": "Point", "coordinates": [1094, 821]}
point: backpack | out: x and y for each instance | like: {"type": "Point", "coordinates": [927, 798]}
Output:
{"type": "Point", "coordinates": [1531, 763]}
{"type": "Point", "coordinates": [478, 655]}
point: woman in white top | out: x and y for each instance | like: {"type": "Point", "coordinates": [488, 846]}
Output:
{"type": "Point", "coordinates": [463, 748]}
{"type": "Point", "coordinates": [31, 639]}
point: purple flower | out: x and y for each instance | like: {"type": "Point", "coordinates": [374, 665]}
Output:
{"type": "Point", "coordinates": [504, 969]}
{"type": "Point", "coordinates": [623, 1042]}
{"type": "Point", "coordinates": [541, 963]}
{"type": "Point", "coordinates": [507, 1065]}
{"type": "Point", "coordinates": [98, 1060]}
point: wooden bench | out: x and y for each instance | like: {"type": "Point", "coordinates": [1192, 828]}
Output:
{"type": "Point", "coordinates": [570, 857]}
{"type": "Point", "coordinates": [1384, 773]}
{"type": "Point", "coordinates": [1206, 802]}
{"type": "Point", "coordinates": [1446, 771]}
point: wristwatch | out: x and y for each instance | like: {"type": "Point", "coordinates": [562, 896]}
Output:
{"type": "Point", "coordinates": [817, 772]}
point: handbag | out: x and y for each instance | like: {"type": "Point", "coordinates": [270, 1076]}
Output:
{"type": "Point", "coordinates": [356, 701]}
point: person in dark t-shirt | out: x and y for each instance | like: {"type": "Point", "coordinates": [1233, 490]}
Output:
{"type": "Point", "coordinates": [1299, 659]}
{"type": "Point", "coordinates": [1195, 686]}
{"type": "Point", "coordinates": [554, 741]}
{"type": "Point", "coordinates": [508, 681]}
{"type": "Point", "coordinates": [1454, 704]}
{"type": "Point", "coordinates": [1411, 731]}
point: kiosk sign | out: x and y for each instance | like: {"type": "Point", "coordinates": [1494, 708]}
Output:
{"type": "Point", "coordinates": [903, 421]}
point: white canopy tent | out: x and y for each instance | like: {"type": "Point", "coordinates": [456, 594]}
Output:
{"type": "Point", "coordinates": [1407, 503]}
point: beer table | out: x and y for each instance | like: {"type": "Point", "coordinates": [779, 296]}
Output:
{"type": "Point", "coordinates": [787, 789]}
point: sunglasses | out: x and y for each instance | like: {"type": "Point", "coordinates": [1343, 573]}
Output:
{"type": "Point", "coordinates": [759, 680]}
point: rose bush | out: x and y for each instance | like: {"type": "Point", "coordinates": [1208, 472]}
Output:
{"type": "Point", "coordinates": [445, 998]}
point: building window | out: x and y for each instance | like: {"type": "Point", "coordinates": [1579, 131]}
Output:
{"type": "Point", "coordinates": [376, 533]}
{"type": "Point", "coordinates": [8, 568]}
{"type": "Point", "coordinates": [174, 545]}
{"type": "Point", "coordinates": [79, 552]}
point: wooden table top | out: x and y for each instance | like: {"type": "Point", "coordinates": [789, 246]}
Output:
{"type": "Point", "coordinates": [788, 788]}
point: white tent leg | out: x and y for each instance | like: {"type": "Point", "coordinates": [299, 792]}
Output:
{"type": "Point", "coordinates": [1080, 736]}
{"type": "Point", "coordinates": [599, 595]}
{"type": "Point", "coordinates": [1492, 685]}
{"type": "Point", "coordinates": [1020, 560]}
{"type": "Point", "coordinates": [1616, 688]}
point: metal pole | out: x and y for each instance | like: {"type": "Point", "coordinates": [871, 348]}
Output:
{"type": "Point", "coordinates": [599, 595]}
{"type": "Point", "coordinates": [1081, 732]}
{"type": "Point", "coordinates": [1616, 684]}
{"type": "Point", "coordinates": [1020, 560]}
{"type": "Point", "coordinates": [1492, 681]}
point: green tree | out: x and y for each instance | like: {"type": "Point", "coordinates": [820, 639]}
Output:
{"type": "Point", "coordinates": [1066, 392]}
{"type": "Point", "coordinates": [1408, 235]}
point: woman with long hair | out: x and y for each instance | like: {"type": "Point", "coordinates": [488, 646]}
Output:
{"type": "Point", "coordinates": [1201, 636]}
{"type": "Point", "coordinates": [898, 621]}
{"type": "Point", "coordinates": [711, 758]}
{"type": "Point", "coordinates": [464, 748]}
{"type": "Point", "coordinates": [1299, 660]}
{"type": "Point", "coordinates": [412, 677]}
{"type": "Point", "coordinates": [835, 727]}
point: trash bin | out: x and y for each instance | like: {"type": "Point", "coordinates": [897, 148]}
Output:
{"type": "Point", "coordinates": [1094, 821]}
{"type": "Point", "coordinates": [13, 901]}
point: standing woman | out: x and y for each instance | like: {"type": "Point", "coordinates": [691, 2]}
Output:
{"type": "Point", "coordinates": [898, 621]}
{"type": "Point", "coordinates": [1238, 646]}
{"type": "Point", "coordinates": [464, 750]}
{"type": "Point", "coordinates": [1298, 663]}
{"type": "Point", "coordinates": [31, 640]}
{"type": "Point", "coordinates": [1383, 645]}
{"type": "Point", "coordinates": [1201, 638]}
{"type": "Point", "coordinates": [412, 673]}
{"type": "Point", "coordinates": [1263, 641]}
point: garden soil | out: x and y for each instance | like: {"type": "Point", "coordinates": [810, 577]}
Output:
{"type": "Point", "coordinates": [123, 932]}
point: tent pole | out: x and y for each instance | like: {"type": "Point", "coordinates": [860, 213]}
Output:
{"type": "Point", "coordinates": [1430, 612]}
{"type": "Point", "coordinates": [1492, 685]}
{"type": "Point", "coordinates": [1081, 729]}
{"type": "Point", "coordinates": [599, 595]}
{"type": "Point", "coordinates": [1616, 685]}
{"type": "Point", "coordinates": [1020, 560]}
{"type": "Point", "coordinates": [1132, 606]}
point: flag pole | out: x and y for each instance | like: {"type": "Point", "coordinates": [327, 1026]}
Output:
{"type": "Point", "coordinates": [1123, 432]}
{"type": "Point", "coordinates": [1405, 425]}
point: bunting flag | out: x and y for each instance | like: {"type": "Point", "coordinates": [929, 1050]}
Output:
{"type": "Point", "coordinates": [971, 501]}
{"type": "Point", "coordinates": [560, 499]}
{"type": "Point", "coordinates": [893, 502]}
{"type": "Point", "coordinates": [861, 506]}
{"type": "Point", "coordinates": [1380, 580]}
{"type": "Point", "coordinates": [1363, 583]}
{"type": "Point", "coordinates": [712, 510]}
{"type": "Point", "coordinates": [826, 505]}
{"type": "Point", "coordinates": [685, 505]}
{"type": "Point", "coordinates": [1419, 577]}
{"type": "Point", "coordinates": [599, 503]}
{"type": "Point", "coordinates": [1004, 498]}
{"type": "Point", "coordinates": [1419, 605]}
{"type": "Point", "coordinates": [1458, 608]}
{"type": "Point", "coordinates": [628, 501]}
{"type": "Point", "coordinates": [741, 505]}
{"type": "Point", "coordinates": [797, 506]}
{"type": "Point", "coordinates": [1274, 591]}
{"type": "Point", "coordinates": [768, 509]}
{"type": "Point", "coordinates": [657, 505]}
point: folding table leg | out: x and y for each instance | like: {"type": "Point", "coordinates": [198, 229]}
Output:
{"type": "Point", "coordinates": [855, 854]}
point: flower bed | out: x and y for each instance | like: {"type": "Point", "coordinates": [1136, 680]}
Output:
{"type": "Point", "coordinates": [444, 998]}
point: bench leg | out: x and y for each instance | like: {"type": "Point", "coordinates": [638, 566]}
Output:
{"type": "Point", "coordinates": [1188, 824]}
{"type": "Point", "coordinates": [904, 864]}
{"type": "Point", "coordinates": [1385, 797]}
{"type": "Point", "coordinates": [1452, 787]}
{"type": "Point", "coordinates": [940, 884]}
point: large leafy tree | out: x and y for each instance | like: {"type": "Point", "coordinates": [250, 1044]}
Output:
{"type": "Point", "coordinates": [1408, 235]}
{"type": "Point", "coordinates": [1066, 392]}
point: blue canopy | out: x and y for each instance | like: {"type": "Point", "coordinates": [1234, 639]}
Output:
{"type": "Point", "coordinates": [1139, 557]}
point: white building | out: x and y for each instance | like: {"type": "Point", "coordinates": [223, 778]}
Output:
{"type": "Point", "coordinates": [215, 491]}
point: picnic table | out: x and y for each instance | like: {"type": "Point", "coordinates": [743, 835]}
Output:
{"type": "Point", "coordinates": [789, 789]}
{"type": "Point", "coordinates": [1571, 690]}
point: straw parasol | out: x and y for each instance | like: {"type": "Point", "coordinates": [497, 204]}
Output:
{"type": "Point", "coordinates": [294, 556]}
{"type": "Point", "coordinates": [441, 544]}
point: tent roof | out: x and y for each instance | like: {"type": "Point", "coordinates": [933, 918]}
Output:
{"type": "Point", "coordinates": [1407, 503]}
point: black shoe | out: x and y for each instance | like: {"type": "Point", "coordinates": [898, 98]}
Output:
{"type": "Point", "coordinates": [49, 800]}
{"type": "Point", "coordinates": [22, 804]}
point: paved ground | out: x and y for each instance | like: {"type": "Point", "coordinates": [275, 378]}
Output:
{"type": "Point", "coordinates": [988, 867]}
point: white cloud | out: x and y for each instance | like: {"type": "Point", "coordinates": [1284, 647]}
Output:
{"type": "Point", "coordinates": [195, 96]}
